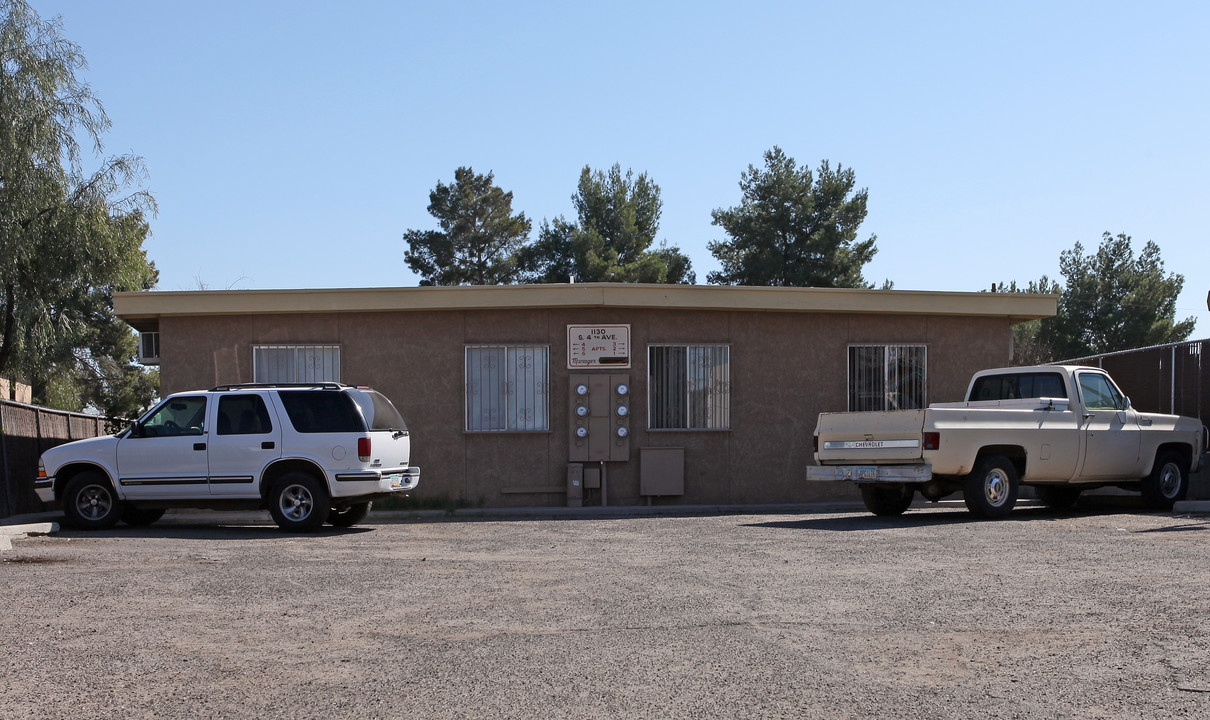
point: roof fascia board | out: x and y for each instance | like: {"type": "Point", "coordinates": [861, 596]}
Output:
{"type": "Point", "coordinates": [1015, 306]}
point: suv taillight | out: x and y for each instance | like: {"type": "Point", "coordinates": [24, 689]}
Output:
{"type": "Point", "coordinates": [932, 440]}
{"type": "Point", "coordinates": [363, 449]}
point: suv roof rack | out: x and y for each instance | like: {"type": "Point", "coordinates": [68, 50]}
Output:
{"type": "Point", "coordinates": [266, 386]}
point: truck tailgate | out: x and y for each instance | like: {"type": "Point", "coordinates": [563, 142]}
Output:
{"type": "Point", "coordinates": [870, 437]}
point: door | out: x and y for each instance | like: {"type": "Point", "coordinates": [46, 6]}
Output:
{"type": "Point", "coordinates": [1111, 431]}
{"type": "Point", "coordinates": [246, 438]}
{"type": "Point", "coordinates": [165, 455]}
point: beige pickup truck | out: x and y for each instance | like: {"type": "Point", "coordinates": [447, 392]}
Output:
{"type": "Point", "coordinates": [1059, 429]}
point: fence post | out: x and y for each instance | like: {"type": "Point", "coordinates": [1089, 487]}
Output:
{"type": "Point", "coordinates": [9, 500]}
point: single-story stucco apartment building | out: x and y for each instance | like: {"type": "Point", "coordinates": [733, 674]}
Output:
{"type": "Point", "coordinates": [624, 394]}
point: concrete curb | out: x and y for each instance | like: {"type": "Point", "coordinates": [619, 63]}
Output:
{"type": "Point", "coordinates": [1192, 506]}
{"type": "Point", "coordinates": [8, 532]}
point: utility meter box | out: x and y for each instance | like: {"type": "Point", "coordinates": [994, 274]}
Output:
{"type": "Point", "coordinates": [599, 427]}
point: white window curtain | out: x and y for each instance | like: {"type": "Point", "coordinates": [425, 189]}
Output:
{"type": "Point", "coordinates": [506, 388]}
{"type": "Point", "coordinates": [295, 363]}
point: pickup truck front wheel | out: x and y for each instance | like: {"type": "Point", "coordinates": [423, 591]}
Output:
{"type": "Point", "coordinates": [991, 490]}
{"type": "Point", "coordinates": [887, 500]}
{"type": "Point", "coordinates": [1168, 481]}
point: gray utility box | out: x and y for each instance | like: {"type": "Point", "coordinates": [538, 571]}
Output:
{"type": "Point", "coordinates": [575, 485]}
{"type": "Point", "coordinates": [661, 471]}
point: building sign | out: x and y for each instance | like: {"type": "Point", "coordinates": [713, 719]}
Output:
{"type": "Point", "coordinates": [590, 346]}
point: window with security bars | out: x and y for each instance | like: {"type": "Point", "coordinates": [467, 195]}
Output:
{"type": "Point", "coordinates": [506, 388]}
{"type": "Point", "coordinates": [689, 387]}
{"type": "Point", "coordinates": [295, 363]}
{"type": "Point", "coordinates": [887, 377]}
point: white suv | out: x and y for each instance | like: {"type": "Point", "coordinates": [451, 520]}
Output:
{"type": "Point", "coordinates": [310, 453]}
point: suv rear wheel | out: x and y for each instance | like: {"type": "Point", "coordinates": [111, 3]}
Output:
{"type": "Point", "coordinates": [298, 503]}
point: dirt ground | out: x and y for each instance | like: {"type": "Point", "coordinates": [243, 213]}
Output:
{"type": "Point", "coordinates": [1094, 614]}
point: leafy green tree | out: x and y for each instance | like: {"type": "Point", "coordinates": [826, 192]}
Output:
{"type": "Point", "coordinates": [1031, 345]}
{"type": "Point", "coordinates": [617, 218]}
{"type": "Point", "coordinates": [479, 237]}
{"type": "Point", "coordinates": [794, 228]}
{"type": "Point", "coordinates": [1114, 300]}
{"type": "Point", "coordinates": [68, 240]}
{"type": "Point", "coordinates": [1111, 300]}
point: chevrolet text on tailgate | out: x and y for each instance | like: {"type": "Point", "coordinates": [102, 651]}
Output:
{"type": "Point", "coordinates": [1058, 429]}
{"type": "Point", "coordinates": [308, 452]}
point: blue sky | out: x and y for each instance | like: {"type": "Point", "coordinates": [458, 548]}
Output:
{"type": "Point", "coordinates": [292, 144]}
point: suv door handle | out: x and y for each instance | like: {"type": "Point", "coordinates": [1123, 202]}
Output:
{"type": "Point", "coordinates": [199, 446]}
{"type": "Point", "coordinates": [267, 445]}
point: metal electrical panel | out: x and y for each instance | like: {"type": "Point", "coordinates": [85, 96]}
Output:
{"type": "Point", "coordinates": [599, 427]}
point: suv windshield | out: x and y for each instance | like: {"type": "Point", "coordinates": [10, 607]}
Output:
{"type": "Point", "coordinates": [323, 411]}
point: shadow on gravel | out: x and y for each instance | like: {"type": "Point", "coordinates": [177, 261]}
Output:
{"type": "Point", "coordinates": [933, 518]}
{"type": "Point", "coordinates": [1191, 527]}
{"type": "Point", "coordinates": [210, 532]}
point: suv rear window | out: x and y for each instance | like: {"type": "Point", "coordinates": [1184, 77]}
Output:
{"type": "Point", "coordinates": [385, 416]}
{"type": "Point", "coordinates": [1019, 385]}
{"type": "Point", "coordinates": [321, 411]}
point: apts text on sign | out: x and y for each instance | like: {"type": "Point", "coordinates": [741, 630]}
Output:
{"type": "Point", "coordinates": [590, 346]}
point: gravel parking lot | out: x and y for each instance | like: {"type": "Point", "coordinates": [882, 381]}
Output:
{"type": "Point", "coordinates": [1096, 614]}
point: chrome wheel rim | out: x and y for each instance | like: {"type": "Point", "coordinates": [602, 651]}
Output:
{"type": "Point", "coordinates": [995, 487]}
{"type": "Point", "coordinates": [1170, 480]}
{"type": "Point", "coordinates": [296, 503]}
{"type": "Point", "coordinates": [94, 502]}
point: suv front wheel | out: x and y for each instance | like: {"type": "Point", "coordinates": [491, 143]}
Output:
{"type": "Point", "coordinates": [89, 502]}
{"type": "Point", "coordinates": [298, 503]}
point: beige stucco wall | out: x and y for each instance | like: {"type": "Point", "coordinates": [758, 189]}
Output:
{"type": "Point", "coordinates": [786, 368]}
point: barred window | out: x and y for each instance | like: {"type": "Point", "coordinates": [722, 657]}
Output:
{"type": "Point", "coordinates": [887, 377]}
{"type": "Point", "coordinates": [506, 387]}
{"type": "Point", "coordinates": [295, 363]}
{"type": "Point", "coordinates": [689, 387]}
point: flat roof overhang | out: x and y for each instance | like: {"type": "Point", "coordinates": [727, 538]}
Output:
{"type": "Point", "coordinates": [143, 310]}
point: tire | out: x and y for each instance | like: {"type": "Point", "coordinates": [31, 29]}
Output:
{"type": "Point", "coordinates": [140, 517]}
{"type": "Point", "coordinates": [1058, 497]}
{"type": "Point", "coordinates": [349, 516]}
{"type": "Point", "coordinates": [1168, 481]}
{"type": "Point", "coordinates": [298, 503]}
{"type": "Point", "coordinates": [991, 490]}
{"type": "Point", "coordinates": [89, 502]}
{"type": "Point", "coordinates": [887, 500]}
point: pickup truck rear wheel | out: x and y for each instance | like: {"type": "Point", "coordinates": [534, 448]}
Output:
{"type": "Point", "coordinates": [991, 490]}
{"type": "Point", "coordinates": [89, 502]}
{"type": "Point", "coordinates": [1168, 481]}
{"type": "Point", "coordinates": [298, 503]}
{"type": "Point", "coordinates": [887, 500]}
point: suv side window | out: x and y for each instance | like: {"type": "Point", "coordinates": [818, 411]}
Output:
{"type": "Point", "coordinates": [322, 411]}
{"type": "Point", "coordinates": [177, 416]}
{"type": "Point", "coordinates": [243, 415]}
